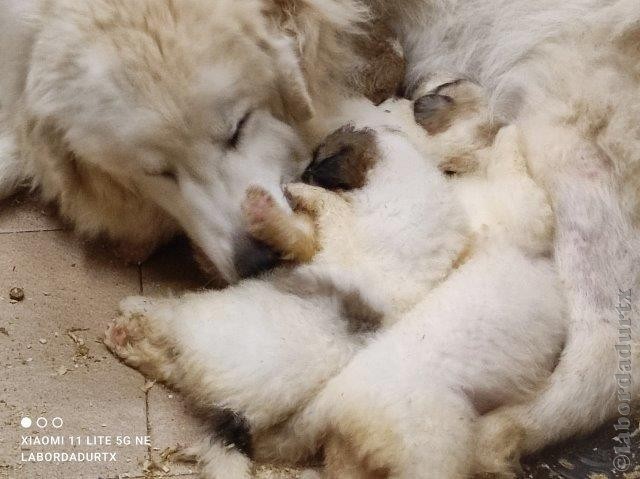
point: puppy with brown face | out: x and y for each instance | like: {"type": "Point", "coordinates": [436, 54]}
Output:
{"type": "Point", "coordinates": [261, 350]}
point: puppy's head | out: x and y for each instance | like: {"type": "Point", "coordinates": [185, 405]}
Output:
{"type": "Point", "coordinates": [375, 148]}
{"type": "Point", "coordinates": [185, 103]}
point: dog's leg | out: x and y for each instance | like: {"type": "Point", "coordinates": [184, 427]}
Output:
{"type": "Point", "coordinates": [381, 420]}
{"type": "Point", "coordinates": [141, 336]}
{"type": "Point", "coordinates": [597, 253]}
{"type": "Point", "coordinates": [404, 434]}
{"type": "Point", "coordinates": [251, 349]}
{"type": "Point", "coordinates": [292, 235]}
{"type": "Point", "coordinates": [11, 174]}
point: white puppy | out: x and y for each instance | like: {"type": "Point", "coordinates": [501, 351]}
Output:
{"type": "Point", "coordinates": [259, 351]}
{"type": "Point", "coordinates": [263, 360]}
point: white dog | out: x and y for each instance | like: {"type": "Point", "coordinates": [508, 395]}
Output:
{"type": "Point", "coordinates": [143, 118]}
{"type": "Point", "coordinates": [568, 74]}
{"type": "Point", "coordinates": [263, 359]}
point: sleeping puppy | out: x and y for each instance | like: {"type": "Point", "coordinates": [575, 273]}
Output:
{"type": "Point", "coordinates": [272, 362]}
{"type": "Point", "coordinates": [253, 355]}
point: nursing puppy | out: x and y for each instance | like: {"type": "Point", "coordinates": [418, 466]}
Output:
{"type": "Point", "coordinates": [253, 355]}
{"type": "Point", "coordinates": [144, 118]}
{"type": "Point", "coordinates": [546, 64]}
{"type": "Point", "coordinates": [259, 357]}
{"type": "Point", "coordinates": [408, 405]}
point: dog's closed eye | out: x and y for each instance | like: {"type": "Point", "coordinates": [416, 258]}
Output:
{"type": "Point", "coordinates": [167, 174]}
{"type": "Point", "coordinates": [236, 136]}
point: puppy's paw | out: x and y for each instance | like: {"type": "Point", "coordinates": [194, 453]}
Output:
{"type": "Point", "coordinates": [500, 439]}
{"type": "Point", "coordinates": [258, 208]}
{"type": "Point", "coordinates": [141, 340]}
{"type": "Point", "coordinates": [290, 234]}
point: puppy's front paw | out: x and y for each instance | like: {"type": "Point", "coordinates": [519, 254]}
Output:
{"type": "Point", "coordinates": [259, 209]}
{"type": "Point", "coordinates": [500, 439]}
{"type": "Point", "coordinates": [291, 235]}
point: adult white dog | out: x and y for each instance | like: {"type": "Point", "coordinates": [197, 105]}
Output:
{"type": "Point", "coordinates": [140, 118]}
{"type": "Point", "coordinates": [568, 73]}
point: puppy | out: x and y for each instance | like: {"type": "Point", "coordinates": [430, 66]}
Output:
{"type": "Point", "coordinates": [273, 361]}
{"type": "Point", "coordinates": [253, 355]}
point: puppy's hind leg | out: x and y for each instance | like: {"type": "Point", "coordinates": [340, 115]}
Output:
{"type": "Point", "coordinates": [141, 336]}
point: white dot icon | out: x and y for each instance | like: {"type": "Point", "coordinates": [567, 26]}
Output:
{"type": "Point", "coordinates": [25, 422]}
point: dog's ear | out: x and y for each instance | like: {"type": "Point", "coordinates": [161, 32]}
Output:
{"type": "Point", "coordinates": [292, 83]}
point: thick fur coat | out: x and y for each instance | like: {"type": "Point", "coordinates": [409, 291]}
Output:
{"type": "Point", "coordinates": [295, 359]}
{"type": "Point", "coordinates": [141, 119]}
{"type": "Point", "coordinates": [547, 65]}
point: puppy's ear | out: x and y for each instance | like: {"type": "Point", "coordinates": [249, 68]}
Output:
{"type": "Point", "coordinates": [291, 81]}
{"type": "Point", "coordinates": [434, 112]}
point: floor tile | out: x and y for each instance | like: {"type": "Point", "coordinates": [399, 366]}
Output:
{"type": "Point", "coordinates": [52, 363]}
{"type": "Point", "coordinates": [24, 212]}
{"type": "Point", "coordinates": [171, 426]}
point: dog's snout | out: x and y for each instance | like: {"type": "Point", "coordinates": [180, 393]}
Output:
{"type": "Point", "coordinates": [253, 257]}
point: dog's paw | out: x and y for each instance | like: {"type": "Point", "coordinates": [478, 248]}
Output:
{"type": "Point", "coordinates": [141, 340]}
{"type": "Point", "coordinates": [500, 439]}
{"type": "Point", "coordinates": [259, 208]}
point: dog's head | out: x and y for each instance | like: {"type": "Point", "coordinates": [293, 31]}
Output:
{"type": "Point", "coordinates": [185, 103]}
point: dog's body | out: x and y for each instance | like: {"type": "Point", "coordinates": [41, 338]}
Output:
{"type": "Point", "coordinates": [270, 351]}
{"type": "Point", "coordinates": [567, 73]}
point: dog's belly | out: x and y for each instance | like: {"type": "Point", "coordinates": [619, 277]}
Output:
{"type": "Point", "coordinates": [486, 40]}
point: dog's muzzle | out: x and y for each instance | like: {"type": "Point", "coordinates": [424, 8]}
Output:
{"type": "Point", "coordinates": [252, 257]}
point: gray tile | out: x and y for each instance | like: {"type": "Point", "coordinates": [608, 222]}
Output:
{"type": "Point", "coordinates": [24, 212]}
{"type": "Point", "coordinates": [44, 372]}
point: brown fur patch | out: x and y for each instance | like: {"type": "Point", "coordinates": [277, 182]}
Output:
{"type": "Point", "coordinates": [385, 67]}
{"type": "Point", "coordinates": [362, 317]}
{"type": "Point", "coordinates": [291, 235]}
{"type": "Point", "coordinates": [343, 160]}
{"type": "Point", "coordinates": [438, 110]}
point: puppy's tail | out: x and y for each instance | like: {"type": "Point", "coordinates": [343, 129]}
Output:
{"type": "Point", "coordinates": [12, 175]}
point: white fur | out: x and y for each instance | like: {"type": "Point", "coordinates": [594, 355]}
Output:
{"type": "Point", "coordinates": [267, 347]}
{"type": "Point", "coordinates": [122, 111]}
{"type": "Point", "coordinates": [567, 73]}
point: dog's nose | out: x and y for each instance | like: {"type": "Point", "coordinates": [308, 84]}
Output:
{"type": "Point", "coordinates": [252, 257]}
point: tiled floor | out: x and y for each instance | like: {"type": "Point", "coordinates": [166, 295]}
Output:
{"type": "Point", "coordinates": [53, 364]}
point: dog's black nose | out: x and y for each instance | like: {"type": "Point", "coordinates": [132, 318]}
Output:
{"type": "Point", "coordinates": [252, 257]}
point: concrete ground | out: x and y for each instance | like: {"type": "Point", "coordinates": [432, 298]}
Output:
{"type": "Point", "coordinates": [54, 368]}
{"type": "Point", "coordinates": [54, 365]}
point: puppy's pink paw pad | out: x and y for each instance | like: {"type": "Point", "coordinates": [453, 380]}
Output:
{"type": "Point", "coordinates": [257, 206]}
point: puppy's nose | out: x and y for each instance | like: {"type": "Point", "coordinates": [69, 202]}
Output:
{"type": "Point", "coordinates": [252, 257]}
